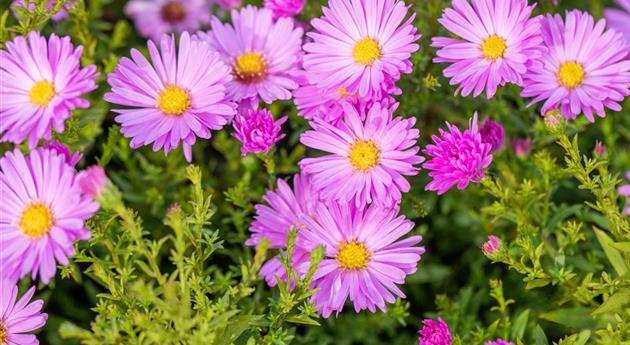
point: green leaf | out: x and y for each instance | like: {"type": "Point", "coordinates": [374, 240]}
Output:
{"type": "Point", "coordinates": [235, 328]}
{"type": "Point", "coordinates": [622, 246]}
{"type": "Point", "coordinates": [539, 336]}
{"type": "Point", "coordinates": [519, 325]}
{"type": "Point", "coordinates": [302, 319]}
{"type": "Point", "coordinates": [578, 317]}
{"type": "Point", "coordinates": [615, 258]}
{"type": "Point", "coordinates": [536, 283]}
{"type": "Point", "coordinates": [615, 302]}
{"type": "Point", "coordinates": [583, 337]}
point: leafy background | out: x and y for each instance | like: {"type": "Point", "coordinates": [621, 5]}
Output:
{"type": "Point", "coordinates": [549, 206]}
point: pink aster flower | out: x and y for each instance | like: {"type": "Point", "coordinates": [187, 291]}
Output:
{"type": "Point", "coordinates": [625, 191]}
{"type": "Point", "coordinates": [177, 98]}
{"type": "Point", "coordinates": [264, 54]}
{"type": "Point", "coordinates": [498, 342]}
{"type": "Point", "coordinates": [61, 149]}
{"type": "Point", "coordinates": [361, 46]}
{"type": "Point", "coordinates": [41, 82]}
{"type": "Point", "coordinates": [434, 333]}
{"type": "Point", "coordinates": [365, 256]}
{"type": "Point", "coordinates": [285, 8]}
{"type": "Point", "coordinates": [491, 246]}
{"type": "Point", "coordinates": [367, 159]}
{"type": "Point", "coordinates": [257, 130]}
{"type": "Point", "coordinates": [585, 69]}
{"type": "Point", "coordinates": [50, 5]}
{"type": "Point", "coordinates": [18, 317]}
{"type": "Point", "coordinates": [153, 18]}
{"type": "Point", "coordinates": [229, 4]}
{"type": "Point", "coordinates": [499, 41]}
{"type": "Point", "coordinates": [619, 19]}
{"type": "Point", "coordinates": [457, 158]}
{"type": "Point", "coordinates": [492, 133]}
{"type": "Point", "coordinates": [42, 213]}
{"type": "Point", "coordinates": [92, 181]}
{"type": "Point", "coordinates": [274, 221]}
{"type": "Point", "coordinates": [522, 146]}
{"type": "Point", "coordinates": [600, 148]}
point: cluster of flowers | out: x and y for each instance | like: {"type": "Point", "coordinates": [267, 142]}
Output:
{"type": "Point", "coordinates": [438, 333]}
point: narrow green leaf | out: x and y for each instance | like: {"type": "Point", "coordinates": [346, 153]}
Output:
{"type": "Point", "coordinates": [615, 258]}
{"type": "Point", "coordinates": [519, 325]}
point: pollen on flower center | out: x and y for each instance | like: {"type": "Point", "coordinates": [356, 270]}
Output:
{"type": "Point", "coordinates": [493, 47]}
{"type": "Point", "coordinates": [173, 12]}
{"type": "Point", "coordinates": [173, 100]}
{"type": "Point", "coordinates": [250, 67]}
{"type": "Point", "coordinates": [366, 51]}
{"type": "Point", "coordinates": [36, 220]}
{"type": "Point", "coordinates": [3, 333]}
{"type": "Point", "coordinates": [41, 94]}
{"type": "Point", "coordinates": [571, 74]}
{"type": "Point", "coordinates": [353, 256]}
{"type": "Point", "coordinates": [364, 155]}
{"type": "Point", "coordinates": [343, 92]}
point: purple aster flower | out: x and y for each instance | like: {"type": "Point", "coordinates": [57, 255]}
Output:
{"type": "Point", "coordinates": [619, 19]}
{"type": "Point", "coordinates": [491, 246]}
{"type": "Point", "coordinates": [153, 18]}
{"type": "Point", "coordinates": [18, 317]}
{"type": "Point", "coordinates": [457, 158]}
{"type": "Point", "coordinates": [92, 181]}
{"type": "Point", "coordinates": [50, 5]}
{"type": "Point", "coordinates": [492, 133]}
{"type": "Point", "coordinates": [499, 42]}
{"type": "Point", "coordinates": [367, 159]}
{"type": "Point", "coordinates": [275, 220]}
{"type": "Point", "coordinates": [365, 257]}
{"type": "Point", "coordinates": [63, 150]}
{"type": "Point", "coordinates": [229, 4]}
{"type": "Point", "coordinates": [285, 8]}
{"type": "Point", "coordinates": [43, 215]}
{"type": "Point", "coordinates": [522, 146]}
{"type": "Point", "coordinates": [177, 97]}
{"type": "Point", "coordinates": [41, 82]}
{"type": "Point", "coordinates": [498, 342]}
{"type": "Point", "coordinates": [264, 54]}
{"type": "Point", "coordinates": [625, 191]}
{"type": "Point", "coordinates": [434, 333]}
{"type": "Point", "coordinates": [257, 130]}
{"type": "Point", "coordinates": [585, 69]}
{"type": "Point", "coordinates": [360, 46]}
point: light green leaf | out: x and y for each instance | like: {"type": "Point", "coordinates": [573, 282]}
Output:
{"type": "Point", "coordinates": [615, 258]}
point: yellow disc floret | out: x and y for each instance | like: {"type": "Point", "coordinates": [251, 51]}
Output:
{"type": "Point", "coordinates": [571, 74]}
{"type": "Point", "coordinates": [250, 67]}
{"type": "Point", "coordinates": [366, 51]}
{"type": "Point", "coordinates": [36, 220]}
{"type": "Point", "coordinates": [364, 155]}
{"type": "Point", "coordinates": [173, 100]}
{"type": "Point", "coordinates": [353, 256]}
{"type": "Point", "coordinates": [41, 93]}
{"type": "Point", "coordinates": [493, 47]}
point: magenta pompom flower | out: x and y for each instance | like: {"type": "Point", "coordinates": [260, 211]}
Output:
{"type": "Point", "coordinates": [257, 130]}
{"type": "Point", "coordinates": [365, 257]}
{"type": "Point", "coordinates": [619, 19]}
{"type": "Point", "coordinates": [274, 221]}
{"type": "Point", "coordinates": [491, 246]}
{"type": "Point", "coordinates": [585, 69]}
{"type": "Point", "coordinates": [499, 41]}
{"type": "Point", "coordinates": [42, 213]}
{"type": "Point", "coordinates": [18, 317]}
{"type": "Point", "coordinates": [434, 333]}
{"type": "Point", "coordinates": [284, 8]}
{"type": "Point", "coordinates": [498, 342]}
{"type": "Point", "coordinates": [153, 18]}
{"type": "Point", "coordinates": [360, 46]}
{"type": "Point", "coordinates": [178, 97]}
{"type": "Point", "coordinates": [41, 82]}
{"type": "Point", "coordinates": [492, 133]}
{"type": "Point", "coordinates": [457, 158]}
{"type": "Point", "coordinates": [625, 191]}
{"type": "Point", "coordinates": [264, 54]}
{"type": "Point", "coordinates": [49, 6]}
{"type": "Point", "coordinates": [367, 159]}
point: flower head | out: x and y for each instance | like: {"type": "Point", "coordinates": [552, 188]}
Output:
{"type": "Point", "coordinates": [600, 148]}
{"type": "Point", "coordinates": [492, 133]}
{"type": "Point", "coordinates": [49, 6]}
{"type": "Point", "coordinates": [92, 181]}
{"type": "Point", "coordinates": [491, 246]}
{"type": "Point", "coordinates": [367, 159]}
{"type": "Point", "coordinates": [434, 333]}
{"type": "Point", "coordinates": [153, 18]}
{"type": "Point", "coordinates": [499, 41]}
{"type": "Point", "coordinates": [522, 146]}
{"type": "Point", "coordinates": [177, 97]}
{"type": "Point", "coordinates": [43, 216]}
{"type": "Point", "coordinates": [61, 149]}
{"type": "Point", "coordinates": [585, 69]}
{"type": "Point", "coordinates": [365, 255]}
{"type": "Point", "coordinates": [42, 82]}
{"type": "Point", "coordinates": [284, 8]}
{"type": "Point", "coordinates": [499, 342]}
{"type": "Point", "coordinates": [263, 53]}
{"type": "Point", "coordinates": [360, 46]}
{"type": "Point", "coordinates": [257, 130]}
{"type": "Point", "coordinates": [618, 18]}
{"type": "Point", "coordinates": [18, 317]}
{"type": "Point", "coordinates": [625, 191]}
{"type": "Point", "coordinates": [229, 4]}
{"type": "Point", "coordinates": [457, 158]}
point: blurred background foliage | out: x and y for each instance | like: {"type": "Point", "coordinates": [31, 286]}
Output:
{"type": "Point", "coordinates": [562, 276]}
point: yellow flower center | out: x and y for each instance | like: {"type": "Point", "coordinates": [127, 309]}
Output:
{"type": "Point", "coordinates": [250, 67]}
{"type": "Point", "coordinates": [343, 92]}
{"type": "Point", "coordinates": [41, 94]}
{"type": "Point", "coordinates": [571, 74]}
{"type": "Point", "coordinates": [36, 220]}
{"type": "Point", "coordinates": [173, 100]}
{"type": "Point", "coordinates": [353, 256]}
{"type": "Point", "coordinates": [3, 333]}
{"type": "Point", "coordinates": [364, 155]}
{"type": "Point", "coordinates": [493, 47]}
{"type": "Point", "coordinates": [366, 51]}
{"type": "Point", "coordinates": [173, 12]}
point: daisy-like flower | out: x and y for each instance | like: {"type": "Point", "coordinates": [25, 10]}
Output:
{"type": "Point", "coordinates": [625, 191]}
{"type": "Point", "coordinates": [618, 19]}
{"type": "Point", "coordinates": [41, 82]}
{"type": "Point", "coordinates": [457, 158]}
{"type": "Point", "coordinates": [264, 54]}
{"type": "Point", "coordinates": [153, 18]}
{"type": "Point", "coordinates": [42, 213]}
{"type": "Point", "coordinates": [499, 41]}
{"type": "Point", "coordinates": [257, 130]}
{"type": "Point", "coordinates": [274, 221]}
{"type": "Point", "coordinates": [61, 149]}
{"type": "Point", "coordinates": [284, 8]}
{"type": "Point", "coordinates": [92, 181]}
{"type": "Point", "coordinates": [229, 4]}
{"type": "Point", "coordinates": [360, 45]}
{"type": "Point", "coordinates": [499, 342]}
{"type": "Point", "coordinates": [365, 257]}
{"type": "Point", "coordinates": [434, 333]}
{"type": "Point", "coordinates": [522, 146]}
{"type": "Point", "coordinates": [367, 159]}
{"type": "Point", "coordinates": [49, 6]}
{"type": "Point", "coordinates": [492, 133]}
{"type": "Point", "coordinates": [585, 69]}
{"type": "Point", "coordinates": [18, 317]}
{"type": "Point", "coordinates": [178, 97]}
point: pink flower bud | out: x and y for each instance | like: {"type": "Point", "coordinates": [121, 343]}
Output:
{"type": "Point", "coordinates": [491, 246]}
{"type": "Point", "coordinates": [92, 180]}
